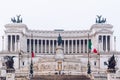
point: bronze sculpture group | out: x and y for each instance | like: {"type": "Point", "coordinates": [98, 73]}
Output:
{"type": "Point", "coordinates": [18, 20]}
{"type": "Point", "coordinates": [99, 19]}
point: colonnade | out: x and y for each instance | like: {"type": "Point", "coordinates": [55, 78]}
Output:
{"type": "Point", "coordinates": [105, 43]}
{"type": "Point", "coordinates": [49, 46]}
{"type": "Point", "coordinates": [70, 46]}
{"type": "Point", "coordinates": [13, 42]}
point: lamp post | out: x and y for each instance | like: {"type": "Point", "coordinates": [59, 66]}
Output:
{"type": "Point", "coordinates": [31, 70]}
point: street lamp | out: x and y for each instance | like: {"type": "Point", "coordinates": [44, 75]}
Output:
{"type": "Point", "coordinates": [31, 68]}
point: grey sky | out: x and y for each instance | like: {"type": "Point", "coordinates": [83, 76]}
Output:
{"type": "Point", "coordinates": [60, 14]}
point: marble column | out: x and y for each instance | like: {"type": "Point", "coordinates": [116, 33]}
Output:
{"type": "Point", "coordinates": [30, 45]}
{"type": "Point", "coordinates": [87, 45]}
{"type": "Point", "coordinates": [15, 43]}
{"type": "Point", "coordinates": [37, 45]}
{"type": "Point", "coordinates": [41, 46]}
{"type": "Point", "coordinates": [64, 46]}
{"type": "Point", "coordinates": [106, 44]}
{"type": "Point", "coordinates": [68, 46]}
{"type": "Point", "coordinates": [109, 43]}
{"type": "Point", "coordinates": [83, 46]}
{"type": "Point", "coordinates": [11, 43]}
{"type": "Point", "coordinates": [33, 45]}
{"type": "Point", "coordinates": [53, 47]}
{"type": "Point", "coordinates": [75, 46]}
{"type": "Point", "coordinates": [79, 46]}
{"type": "Point", "coordinates": [49, 46]}
{"type": "Point", "coordinates": [45, 46]}
{"type": "Point", "coordinates": [6, 42]}
{"type": "Point", "coordinates": [72, 46]}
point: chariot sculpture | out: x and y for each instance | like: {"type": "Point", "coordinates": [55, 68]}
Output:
{"type": "Point", "coordinates": [16, 20]}
{"type": "Point", "coordinates": [99, 19]}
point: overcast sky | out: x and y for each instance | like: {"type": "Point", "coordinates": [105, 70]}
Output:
{"type": "Point", "coordinates": [61, 14]}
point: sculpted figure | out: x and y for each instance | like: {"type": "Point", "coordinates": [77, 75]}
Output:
{"type": "Point", "coordinates": [18, 20]}
{"type": "Point", "coordinates": [112, 64]}
{"type": "Point", "coordinates": [99, 19]}
{"type": "Point", "coordinates": [9, 62]}
{"type": "Point", "coordinates": [59, 40]}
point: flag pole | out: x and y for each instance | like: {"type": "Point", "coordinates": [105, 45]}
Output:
{"type": "Point", "coordinates": [99, 59]}
{"type": "Point", "coordinates": [88, 65]}
{"type": "Point", "coordinates": [31, 64]}
{"type": "Point", "coordinates": [99, 49]}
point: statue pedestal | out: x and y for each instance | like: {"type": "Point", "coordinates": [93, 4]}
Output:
{"type": "Point", "coordinates": [59, 59]}
{"type": "Point", "coordinates": [59, 53]}
{"type": "Point", "coordinates": [3, 73]}
{"type": "Point", "coordinates": [111, 70]}
{"type": "Point", "coordinates": [10, 74]}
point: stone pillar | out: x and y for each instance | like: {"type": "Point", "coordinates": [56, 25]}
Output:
{"type": "Point", "coordinates": [53, 47]}
{"type": "Point", "coordinates": [45, 46]}
{"type": "Point", "coordinates": [87, 45]}
{"type": "Point", "coordinates": [75, 46]}
{"type": "Point", "coordinates": [49, 46]}
{"type": "Point", "coordinates": [6, 42]}
{"type": "Point", "coordinates": [64, 46]}
{"type": "Point", "coordinates": [41, 46]}
{"type": "Point", "coordinates": [83, 46]}
{"type": "Point", "coordinates": [35, 45]}
{"type": "Point", "coordinates": [106, 44]}
{"type": "Point", "coordinates": [111, 48]}
{"type": "Point", "coordinates": [16, 43]}
{"type": "Point", "coordinates": [11, 43]}
{"type": "Point", "coordinates": [68, 46]}
{"type": "Point", "coordinates": [101, 43]}
{"type": "Point", "coordinates": [38, 46]}
{"type": "Point", "coordinates": [30, 45]}
{"type": "Point", "coordinates": [72, 46]}
{"type": "Point", "coordinates": [79, 46]}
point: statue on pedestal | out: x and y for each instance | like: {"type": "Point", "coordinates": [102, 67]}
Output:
{"type": "Point", "coordinates": [111, 64]}
{"type": "Point", "coordinates": [9, 62]}
{"type": "Point", "coordinates": [59, 40]}
{"type": "Point", "coordinates": [59, 49]}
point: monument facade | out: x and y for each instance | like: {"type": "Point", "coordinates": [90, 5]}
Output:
{"type": "Point", "coordinates": [58, 51]}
